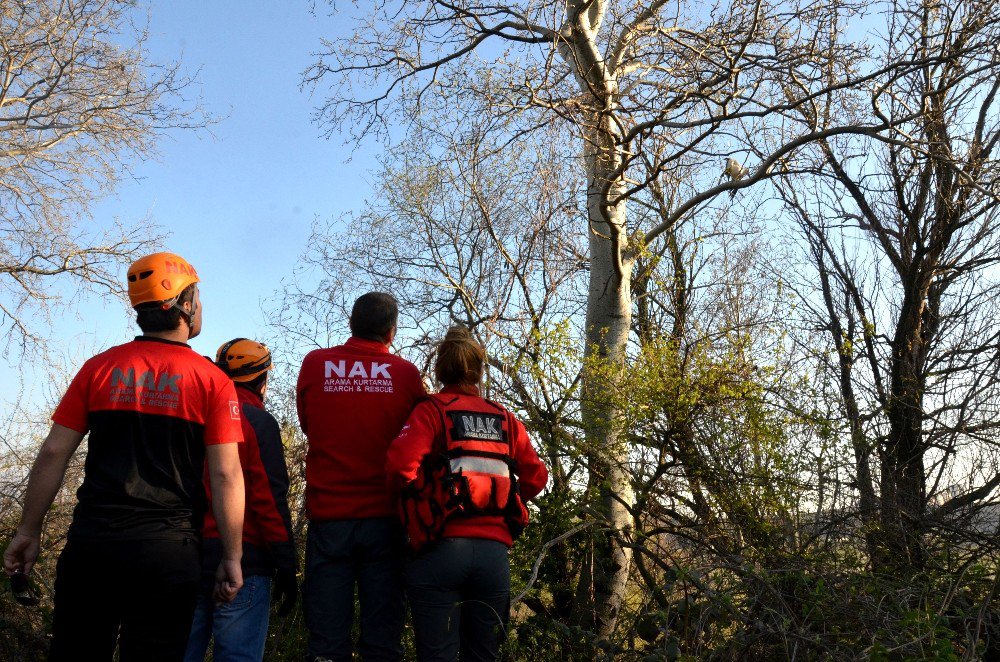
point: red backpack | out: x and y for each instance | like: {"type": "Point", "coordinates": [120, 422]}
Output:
{"type": "Point", "coordinates": [471, 474]}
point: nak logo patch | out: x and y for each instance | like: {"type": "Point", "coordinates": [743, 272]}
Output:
{"type": "Point", "coordinates": [356, 377]}
{"type": "Point", "coordinates": [149, 380]}
{"type": "Point", "coordinates": [234, 410]}
{"type": "Point", "coordinates": [362, 369]}
{"type": "Point", "coordinates": [476, 425]}
{"type": "Point", "coordinates": [147, 389]}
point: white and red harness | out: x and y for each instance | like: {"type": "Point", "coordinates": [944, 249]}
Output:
{"type": "Point", "coordinates": [473, 474]}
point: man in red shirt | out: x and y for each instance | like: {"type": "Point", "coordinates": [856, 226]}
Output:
{"type": "Point", "coordinates": [238, 631]}
{"type": "Point", "coordinates": [156, 412]}
{"type": "Point", "coordinates": [352, 401]}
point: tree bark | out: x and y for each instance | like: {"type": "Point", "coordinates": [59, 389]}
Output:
{"type": "Point", "coordinates": [609, 316]}
{"type": "Point", "coordinates": [904, 489]}
{"type": "Point", "coordinates": [869, 505]}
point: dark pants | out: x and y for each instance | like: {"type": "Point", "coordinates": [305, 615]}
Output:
{"type": "Point", "coordinates": [340, 554]}
{"type": "Point", "coordinates": [140, 594]}
{"type": "Point", "coordinates": [459, 593]}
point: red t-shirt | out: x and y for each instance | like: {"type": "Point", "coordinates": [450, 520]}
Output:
{"type": "Point", "coordinates": [352, 400]}
{"type": "Point", "coordinates": [151, 407]}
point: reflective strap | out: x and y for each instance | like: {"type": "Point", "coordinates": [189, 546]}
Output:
{"type": "Point", "coordinates": [482, 465]}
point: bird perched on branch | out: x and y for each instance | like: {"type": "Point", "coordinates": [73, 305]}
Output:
{"type": "Point", "coordinates": [735, 172]}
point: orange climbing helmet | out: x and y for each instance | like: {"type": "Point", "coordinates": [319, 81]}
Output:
{"type": "Point", "coordinates": [159, 277]}
{"type": "Point", "coordinates": [243, 360]}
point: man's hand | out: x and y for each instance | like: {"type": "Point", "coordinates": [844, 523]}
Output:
{"type": "Point", "coordinates": [286, 590]}
{"type": "Point", "coordinates": [21, 554]}
{"type": "Point", "coordinates": [43, 482]}
{"type": "Point", "coordinates": [228, 581]}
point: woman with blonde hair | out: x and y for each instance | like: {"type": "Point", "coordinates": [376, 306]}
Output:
{"type": "Point", "coordinates": [464, 468]}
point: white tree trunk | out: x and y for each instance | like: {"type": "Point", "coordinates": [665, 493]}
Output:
{"type": "Point", "coordinates": [609, 316]}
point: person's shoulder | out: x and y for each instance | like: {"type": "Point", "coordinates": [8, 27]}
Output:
{"type": "Point", "coordinates": [208, 372]}
{"type": "Point", "coordinates": [208, 368]}
{"type": "Point", "coordinates": [259, 416]}
{"type": "Point", "coordinates": [130, 347]}
{"type": "Point", "coordinates": [269, 418]}
{"type": "Point", "coordinates": [323, 353]}
{"type": "Point", "coordinates": [313, 361]}
{"type": "Point", "coordinates": [413, 377]}
{"type": "Point", "coordinates": [496, 404]}
{"type": "Point", "coordinates": [402, 363]}
{"type": "Point", "coordinates": [312, 354]}
{"type": "Point", "coordinates": [425, 405]}
{"type": "Point", "coordinates": [399, 359]}
{"type": "Point", "coordinates": [110, 355]}
{"type": "Point", "coordinates": [257, 411]}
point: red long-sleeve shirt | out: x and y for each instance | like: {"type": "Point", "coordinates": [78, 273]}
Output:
{"type": "Point", "coordinates": [267, 522]}
{"type": "Point", "coordinates": [424, 433]}
{"type": "Point", "coordinates": [352, 400]}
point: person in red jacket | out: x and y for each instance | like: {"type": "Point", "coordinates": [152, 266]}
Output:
{"type": "Point", "coordinates": [352, 401]}
{"type": "Point", "coordinates": [157, 414]}
{"type": "Point", "coordinates": [459, 585]}
{"type": "Point", "coordinates": [239, 629]}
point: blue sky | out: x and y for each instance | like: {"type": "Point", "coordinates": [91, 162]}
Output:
{"type": "Point", "coordinates": [239, 200]}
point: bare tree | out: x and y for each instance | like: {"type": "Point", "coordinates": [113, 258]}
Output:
{"type": "Point", "coordinates": [640, 89]}
{"type": "Point", "coordinates": [23, 426]}
{"type": "Point", "coordinates": [79, 101]}
{"type": "Point", "coordinates": [455, 243]}
{"type": "Point", "coordinates": [903, 233]}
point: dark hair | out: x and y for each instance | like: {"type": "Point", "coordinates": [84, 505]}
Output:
{"type": "Point", "coordinates": [374, 315]}
{"type": "Point", "coordinates": [256, 384]}
{"type": "Point", "coordinates": [460, 358]}
{"type": "Point", "coordinates": [152, 318]}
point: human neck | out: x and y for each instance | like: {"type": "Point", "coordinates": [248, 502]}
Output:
{"type": "Point", "coordinates": [256, 391]}
{"type": "Point", "coordinates": [469, 389]}
{"type": "Point", "coordinates": [180, 334]}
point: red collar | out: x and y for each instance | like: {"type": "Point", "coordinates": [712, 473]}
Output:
{"type": "Point", "coordinates": [246, 395]}
{"type": "Point", "coordinates": [372, 346]}
{"type": "Point", "coordinates": [461, 389]}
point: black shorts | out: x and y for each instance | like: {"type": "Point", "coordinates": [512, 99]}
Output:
{"type": "Point", "coordinates": [139, 594]}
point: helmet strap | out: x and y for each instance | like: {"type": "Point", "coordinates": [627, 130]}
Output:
{"type": "Point", "coordinates": [249, 369]}
{"type": "Point", "coordinates": [185, 315]}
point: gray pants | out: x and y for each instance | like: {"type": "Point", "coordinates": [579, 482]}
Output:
{"type": "Point", "coordinates": [342, 554]}
{"type": "Point", "coordinates": [459, 594]}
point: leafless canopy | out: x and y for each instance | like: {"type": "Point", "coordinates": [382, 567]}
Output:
{"type": "Point", "coordinates": [76, 108]}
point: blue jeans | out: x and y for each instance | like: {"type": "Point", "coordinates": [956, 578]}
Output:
{"type": "Point", "coordinates": [339, 555]}
{"type": "Point", "coordinates": [239, 628]}
{"type": "Point", "coordinates": [459, 593]}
